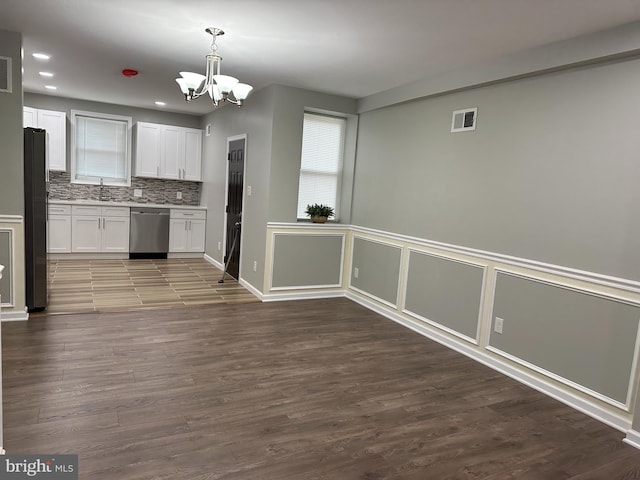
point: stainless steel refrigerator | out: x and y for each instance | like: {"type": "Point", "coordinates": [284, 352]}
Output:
{"type": "Point", "coordinates": [35, 218]}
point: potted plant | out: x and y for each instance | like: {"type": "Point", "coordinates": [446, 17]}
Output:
{"type": "Point", "coordinates": [319, 213]}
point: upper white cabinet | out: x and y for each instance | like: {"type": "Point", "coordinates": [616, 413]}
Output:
{"type": "Point", "coordinates": [170, 152]}
{"type": "Point", "coordinates": [55, 123]}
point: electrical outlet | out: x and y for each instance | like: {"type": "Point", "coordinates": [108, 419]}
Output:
{"type": "Point", "coordinates": [498, 324]}
{"type": "Point", "coordinates": [137, 192]}
{"type": "Point", "coordinates": [255, 266]}
{"type": "Point", "coordinates": [356, 272]}
{"type": "Point", "coordinates": [219, 246]}
{"type": "Point", "coordinates": [179, 195]}
{"type": "Point", "coordinates": [249, 191]}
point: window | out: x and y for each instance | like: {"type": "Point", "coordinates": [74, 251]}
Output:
{"type": "Point", "coordinates": [321, 166]}
{"type": "Point", "coordinates": [101, 148]}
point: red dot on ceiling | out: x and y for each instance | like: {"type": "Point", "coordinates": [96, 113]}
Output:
{"type": "Point", "coordinates": [129, 72]}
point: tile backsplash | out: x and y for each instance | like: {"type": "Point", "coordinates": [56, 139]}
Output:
{"type": "Point", "coordinates": [153, 190]}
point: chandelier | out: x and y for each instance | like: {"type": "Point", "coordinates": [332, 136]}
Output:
{"type": "Point", "coordinates": [221, 88]}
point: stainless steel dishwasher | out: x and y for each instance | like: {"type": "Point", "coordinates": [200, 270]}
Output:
{"type": "Point", "coordinates": [149, 232]}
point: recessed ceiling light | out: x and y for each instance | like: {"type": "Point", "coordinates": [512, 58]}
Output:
{"type": "Point", "coordinates": [41, 56]}
{"type": "Point", "coordinates": [50, 87]}
{"type": "Point", "coordinates": [161, 104]}
{"type": "Point", "coordinates": [46, 74]}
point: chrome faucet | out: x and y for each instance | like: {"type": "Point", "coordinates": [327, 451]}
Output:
{"type": "Point", "coordinates": [103, 195]}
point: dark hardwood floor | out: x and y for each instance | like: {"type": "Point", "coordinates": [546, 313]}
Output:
{"type": "Point", "coordinates": [304, 390]}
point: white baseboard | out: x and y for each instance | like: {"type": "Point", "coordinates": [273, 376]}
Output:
{"type": "Point", "coordinates": [213, 261]}
{"type": "Point", "coordinates": [616, 420]}
{"type": "Point", "coordinates": [13, 316]}
{"type": "Point", "coordinates": [632, 438]}
{"type": "Point", "coordinates": [251, 288]}
{"type": "Point", "coordinates": [302, 295]}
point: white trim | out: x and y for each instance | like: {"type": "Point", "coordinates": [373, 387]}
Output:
{"type": "Point", "coordinates": [251, 288]}
{"type": "Point", "coordinates": [373, 297]}
{"type": "Point", "coordinates": [604, 280]}
{"type": "Point", "coordinates": [11, 303]}
{"type": "Point", "coordinates": [10, 218]}
{"type": "Point", "coordinates": [9, 88]}
{"type": "Point", "coordinates": [303, 296]}
{"type": "Point", "coordinates": [435, 324]}
{"type": "Point", "coordinates": [584, 405]}
{"type": "Point", "coordinates": [632, 438]}
{"type": "Point", "coordinates": [101, 116]}
{"type": "Point", "coordinates": [558, 378]}
{"type": "Point", "coordinates": [14, 316]}
{"type": "Point", "coordinates": [464, 111]}
{"type": "Point", "coordinates": [213, 261]}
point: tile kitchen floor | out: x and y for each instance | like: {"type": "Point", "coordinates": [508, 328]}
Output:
{"type": "Point", "coordinates": [122, 285]}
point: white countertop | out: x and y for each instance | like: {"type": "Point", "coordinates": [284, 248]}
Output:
{"type": "Point", "coordinates": [124, 204]}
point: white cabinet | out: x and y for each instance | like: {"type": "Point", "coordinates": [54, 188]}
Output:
{"type": "Point", "coordinates": [59, 229]}
{"type": "Point", "coordinates": [99, 229]}
{"type": "Point", "coordinates": [147, 150]}
{"type": "Point", "coordinates": [170, 152]}
{"type": "Point", "coordinates": [55, 123]}
{"type": "Point", "coordinates": [187, 231]}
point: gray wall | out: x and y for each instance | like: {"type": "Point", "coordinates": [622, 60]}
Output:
{"type": "Point", "coordinates": [309, 260]}
{"type": "Point", "coordinates": [378, 267]}
{"type": "Point", "coordinates": [5, 260]}
{"type": "Point", "coordinates": [12, 177]}
{"type": "Point", "coordinates": [445, 291]}
{"type": "Point", "coordinates": [550, 173]}
{"type": "Point", "coordinates": [272, 118]}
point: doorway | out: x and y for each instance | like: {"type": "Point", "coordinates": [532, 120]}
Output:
{"type": "Point", "coordinates": [235, 187]}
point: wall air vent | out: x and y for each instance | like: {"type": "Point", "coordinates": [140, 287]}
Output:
{"type": "Point", "coordinates": [464, 120]}
{"type": "Point", "coordinates": [5, 74]}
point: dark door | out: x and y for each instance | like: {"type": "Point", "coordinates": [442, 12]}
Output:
{"type": "Point", "coordinates": [234, 206]}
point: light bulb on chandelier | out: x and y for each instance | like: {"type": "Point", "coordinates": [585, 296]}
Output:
{"type": "Point", "coordinates": [221, 88]}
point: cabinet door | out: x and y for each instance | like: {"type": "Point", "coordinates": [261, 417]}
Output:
{"type": "Point", "coordinates": [29, 117]}
{"type": "Point", "coordinates": [177, 235]}
{"type": "Point", "coordinates": [55, 123]}
{"type": "Point", "coordinates": [196, 235]}
{"type": "Point", "coordinates": [172, 152]}
{"type": "Point", "coordinates": [59, 234]}
{"type": "Point", "coordinates": [193, 155]}
{"type": "Point", "coordinates": [115, 234]}
{"type": "Point", "coordinates": [147, 150]}
{"type": "Point", "coordinates": [86, 233]}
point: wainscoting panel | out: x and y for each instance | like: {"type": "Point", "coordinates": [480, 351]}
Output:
{"type": "Point", "coordinates": [446, 293]}
{"type": "Point", "coordinates": [6, 292]}
{"type": "Point", "coordinates": [12, 284]}
{"type": "Point", "coordinates": [587, 339]}
{"type": "Point", "coordinates": [307, 261]}
{"type": "Point", "coordinates": [378, 269]}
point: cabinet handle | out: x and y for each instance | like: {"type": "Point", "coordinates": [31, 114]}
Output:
{"type": "Point", "coordinates": [185, 225]}
{"type": "Point", "coordinates": [98, 224]}
{"type": "Point", "coordinates": [104, 223]}
{"type": "Point", "coordinates": [189, 225]}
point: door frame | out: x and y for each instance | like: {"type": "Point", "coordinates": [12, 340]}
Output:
{"type": "Point", "coordinates": [233, 138]}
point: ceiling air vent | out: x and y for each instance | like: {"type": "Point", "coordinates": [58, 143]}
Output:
{"type": "Point", "coordinates": [5, 74]}
{"type": "Point", "coordinates": [464, 120]}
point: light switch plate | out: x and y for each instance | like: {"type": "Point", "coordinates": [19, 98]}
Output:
{"type": "Point", "coordinates": [179, 195]}
{"type": "Point", "coordinates": [137, 192]}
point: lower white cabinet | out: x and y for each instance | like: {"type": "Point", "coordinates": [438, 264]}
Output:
{"type": "Point", "coordinates": [59, 229]}
{"type": "Point", "coordinates": [99, 229]}
{"type": "Point", "coordinates": [187, 231]}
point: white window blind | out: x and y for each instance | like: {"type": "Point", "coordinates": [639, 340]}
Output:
{"type": "Point", "coordinates": [102, 149]}
{"type": "Point", "coordinates": [321, 165]}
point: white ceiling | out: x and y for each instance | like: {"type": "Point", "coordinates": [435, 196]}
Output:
{"type": "Point", "coordinates": [349, 47]}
